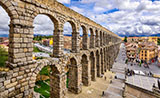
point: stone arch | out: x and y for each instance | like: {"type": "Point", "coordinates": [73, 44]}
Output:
{"type": "Point", "coordinates": [98, 65]}
{"type": "Point", "coordinates": [53, 16]}
{"type": "Point", "coordinates": [75, 36]}
{"type": "Point", "coordinates": [86, 79]}
{"type": "Point", "coordinates": [93, 66]}
{"type": "Point", "coordinates": [73, 61]}
{"type": "Point", "coordinates": [74, 84]}
{"type": "Point", "coordinates": [55, 77]}
{"type": "Point", "coordinates": [73, 24]}
{"type": "Point", "coordinates": [9, 8]}
{"type": "Point", "coordinates": [92, 38]}
{"type": "Point", "coordinates": [85, 38]}
{"type": "Point", "coordinates": [55, 27]}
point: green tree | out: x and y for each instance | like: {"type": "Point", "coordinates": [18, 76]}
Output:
{"type": "Point", "coordinates": [125, 39]}
{"type": "Point", "coordinates": [158, 41]}
{"type": "Point", "coordinates": [3, 57]}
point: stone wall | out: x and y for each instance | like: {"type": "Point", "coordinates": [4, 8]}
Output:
{"type": "Point", "coordinates": [135, 92]}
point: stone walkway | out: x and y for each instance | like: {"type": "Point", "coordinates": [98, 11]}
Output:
{"type": "Point", "coordinates": [116, 88]}
{"type": "Point", "coordinates": [95, 89]}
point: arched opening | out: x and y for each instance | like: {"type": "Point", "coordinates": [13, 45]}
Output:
{"type": "Point", "coordinates": [69, 34]}
{"type": "Point", "coordinates": [98, 64]}
{"type": "Point", "coordinates": [47, 83]}
{"type": "Point", "coordinates": [43, 36]}
{"type": "Point", "coordinates": [85, 71]}
{"type": "Point", "coordinates": [4, 36]}
{"type": "Point", "coordinates": [81, 38]}
{"type": "Point", "coordinates": [74, 83]}
{"type": "Point", "coordinates": [42, 85]}
{"type": "Point", "coordinates": [93, 67]}
{"type": "Point", "coordinates": [84, 38]}
{"type": "Point", "coordinates": [92, 38]}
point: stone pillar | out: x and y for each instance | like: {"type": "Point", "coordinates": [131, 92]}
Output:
{"type": "Point", "coordinates": [102, 63]}
{"type": "Point", "coordinates": [58, 85]}
{"type": "Point", "coordinates": [75, 42]}
{"type": "Point", "coordinates": [20, 44]}
{"type": "Point", "coordinates": [105, 60]}
{"type": "Point", "coordinates": [103, 39]}
{"type": "Point", "coordinates": [98, 65]}
{"type": "Point", "coordinates": [75, 78]}
{"type": "Point", "coordinates": [107, 39]}
{"type": "Point", "coordinates": [58, 42]}
{"type": "Point", "coordinates": [85, 41]}
{"type": "Point", "coordinates": [92, 40]}
{"type": "Point", "coordinates": [97, 39]}
{"type": "Point", "coordinates": [93, 68]}
{"type": "Point", "coordinates": [86, 73]}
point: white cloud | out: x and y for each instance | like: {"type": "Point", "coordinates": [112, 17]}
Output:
{"type": "Point", "coordinates": [43, 25]}
{"type": "Point", "coordinates": [64, 1]}
{"type": "Point", "coordinates": [134, 17]}
{"type": "Point", "coordinates": [79, 10]}
{"type": "Point", "coordinates": [4, 21]}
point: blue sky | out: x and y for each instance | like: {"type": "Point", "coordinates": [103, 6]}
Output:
{"type": "Point", "coordinates": [123, 17]}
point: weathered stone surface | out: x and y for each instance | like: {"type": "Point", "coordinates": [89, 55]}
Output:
{"type": "Point", "coordinates": [7, 82]}
{"type": "Point", "coordinates": [11, 85]}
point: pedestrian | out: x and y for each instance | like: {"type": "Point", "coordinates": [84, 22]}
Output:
{"type": "Point", "coordinates": [105, 77]}
{"type": "Point", "coordinates": [158, 84]}
{"type": "Point", "coordinates": [103, 93]}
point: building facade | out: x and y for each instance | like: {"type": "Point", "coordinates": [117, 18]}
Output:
{"type": "Point", "coordinates": [148, 51]}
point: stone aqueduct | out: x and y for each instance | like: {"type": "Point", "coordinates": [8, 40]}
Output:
{"type": "Point", "coordinates": [84, 64]}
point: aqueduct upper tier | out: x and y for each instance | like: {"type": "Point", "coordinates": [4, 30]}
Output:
{"type": "Point", "coordinates": [98, 53]}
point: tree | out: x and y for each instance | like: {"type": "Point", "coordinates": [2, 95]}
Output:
{"type": "Point", "coordinates": [3, 57]}
{"type": "Point", "coordinates": [158, 41]}
{"type": "Point", "coordinates": [125, 39]}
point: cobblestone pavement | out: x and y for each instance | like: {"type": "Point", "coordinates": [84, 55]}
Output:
{"type": "Point", "coordinates": [116, 88]}
{"type": "Point", "coordinates": [96, 88]}
{"type": "Point", "coordinates": [152, 68]}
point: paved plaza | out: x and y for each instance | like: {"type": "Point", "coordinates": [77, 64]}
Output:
{"type": "Point", "coordinates": [152, 68]}
{"type": "Point", "coordinates": [95, 89]}
{"type": "Point", "coordinates": [116, 87]}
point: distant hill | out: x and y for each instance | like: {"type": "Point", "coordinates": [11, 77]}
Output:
{"type": "Point", "coordinates": [3, 35]}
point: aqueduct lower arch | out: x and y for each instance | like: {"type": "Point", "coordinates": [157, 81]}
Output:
{"type": "Point", "coordinates": [20, 79]}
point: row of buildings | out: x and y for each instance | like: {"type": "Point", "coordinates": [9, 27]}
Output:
{"type": "Point", "coordinates": [4, 43]}
{"type": "Point", "coordinates": [67, 42]}
{"type": "Point", "coordinates": [142, 49]}
{"type": "Point", "coordinates": [142, 39]}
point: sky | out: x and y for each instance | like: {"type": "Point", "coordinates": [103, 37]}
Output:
{"type": "Point", "coordinates": [123, 17]}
